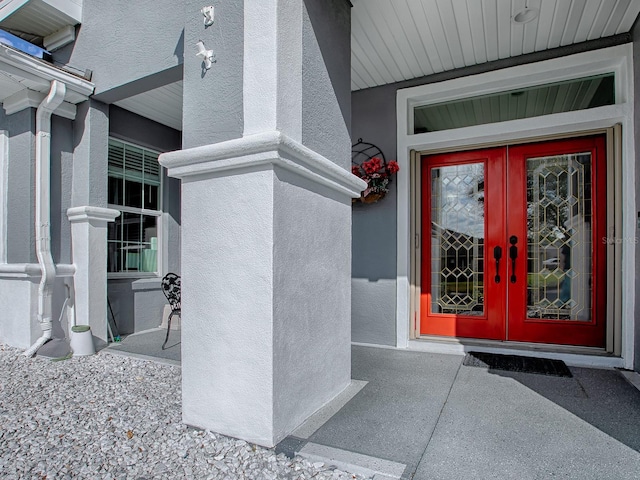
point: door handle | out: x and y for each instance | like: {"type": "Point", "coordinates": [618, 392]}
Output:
{"type": "Point", "coordinates": [497, 255]}
{"type": "Point", "coordinates": [513, 254]}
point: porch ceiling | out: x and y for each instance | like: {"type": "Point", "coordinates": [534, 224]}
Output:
{"type": "Point", "coordinates": [395, 40]}
{"type": "Point", "coordinates": [162, 105]}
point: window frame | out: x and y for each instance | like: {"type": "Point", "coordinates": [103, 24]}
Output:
{"type": "Point", "coordinates": [158, 214]}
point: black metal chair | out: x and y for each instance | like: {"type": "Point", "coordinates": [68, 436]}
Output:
{"type": "Point", "coordinates": [172, 290]}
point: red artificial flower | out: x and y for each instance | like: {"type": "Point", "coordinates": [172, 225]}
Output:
{"type": "Point", "coordinates": [355, 169]}
{"type": "Point", "coordinates": [393, 167]}
{"type": "Point", "coordinates": [372, 166]}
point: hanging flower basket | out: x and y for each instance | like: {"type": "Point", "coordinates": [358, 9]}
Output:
{"type": "Point", "coordinates": [368, 163]}
{"type": "Point", "coordinates": [370, 198]}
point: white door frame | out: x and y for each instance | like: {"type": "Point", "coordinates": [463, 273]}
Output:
{"type": "Point", "coordinates": [617, 59]}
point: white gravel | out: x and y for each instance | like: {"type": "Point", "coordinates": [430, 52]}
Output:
{"type": "Point", "coordinates": [111, 417]}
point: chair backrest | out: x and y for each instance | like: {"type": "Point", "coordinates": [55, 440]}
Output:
{"type": "Point", "coordinates": [172, 290]}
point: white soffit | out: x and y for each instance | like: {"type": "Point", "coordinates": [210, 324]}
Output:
{"type": "Point", "coordinates": [162, 105]}
{"type": "Point", "coordinates": [35, 19]}
{"type": "Point", "coordinates": [395, 40]}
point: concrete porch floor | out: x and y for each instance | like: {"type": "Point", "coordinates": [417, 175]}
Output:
{"type": "Point", "coordinates": [147, 345]}
{"type": "Point", "coordinates": [426, 416]}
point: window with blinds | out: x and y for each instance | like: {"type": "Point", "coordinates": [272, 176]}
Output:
{"type": "Point", "coordinates": [134, 188]}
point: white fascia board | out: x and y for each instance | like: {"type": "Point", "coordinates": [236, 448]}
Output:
{"type": "Point", "coordinates": [29, 98]}
{"type": "Point", "coordinates": [267, 148]}
{"type": "Point", "coordinates": [33, 67]}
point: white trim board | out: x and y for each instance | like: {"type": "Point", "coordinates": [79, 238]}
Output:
{"type": "Point", "coordinates": [618, 59]}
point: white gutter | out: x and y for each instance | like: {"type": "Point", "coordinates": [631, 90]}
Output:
{"type": "Point", "coordinates": [38, 71]}
{"type": "Point", "coordinates": [43, 211]}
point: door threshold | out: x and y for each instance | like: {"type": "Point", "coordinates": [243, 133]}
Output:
{"type": "Point", "coordinates": [571, 355]}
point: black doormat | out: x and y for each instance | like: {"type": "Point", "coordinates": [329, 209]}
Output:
{"type": "Point", "coordinates": [516, 363]}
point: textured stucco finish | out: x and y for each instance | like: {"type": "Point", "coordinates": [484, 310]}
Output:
{"type": "Point", "coordinates": [266, 236]}
{"type": "Point", "coordinates": [266, 322]}
{"type": "Point", "coordinates": [212, 101]}
{"type": "Point", "coordinates": [373, 308]}
{"type": "Point", "coordinates": [19, 303]}
{"type": "Point", "coordinates": [21, 245]}
{"type": "Point", "coordinates": [312, 298]}
{"type": "Point", "coordinates": [148, 303]}
{"type": "Point", "coordinates": [326, 79]}
{"type": "Point", "coordinates": [120, 295]}
{"type": "Point", "coordinates": [227, 305]}
{"type": "Point", "coordinates": [374, 227]}
{"type": "Point", "coordinates": [62, 162]}
{"type": "Point", "coordinates": [126, 41]}
{"type": "Point", "coordinates": [18, 300]}
{"type": "Point", "coordinates": [89, 178]}
{"type": "Point", "coordinates": [89, 245]}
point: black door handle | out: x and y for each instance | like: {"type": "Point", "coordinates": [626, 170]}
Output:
{"type": "Point", "coordinates": [497, 254]}
{"type": "Point", "coordinates": [513, 254]}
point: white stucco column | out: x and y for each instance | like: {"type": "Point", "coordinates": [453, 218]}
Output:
{"type": "Point", "coordinates": [266, 223]}
{"type": "Point", "coordinates": [89, 251]}
{"type": "Point", "coordinates": [266, 275]}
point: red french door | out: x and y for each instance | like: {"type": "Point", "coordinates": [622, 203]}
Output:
{"type": "Point", "coordinates": [512, 243]}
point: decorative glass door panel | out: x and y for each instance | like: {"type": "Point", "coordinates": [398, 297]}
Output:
{"type": "Point", "coordinates": [459, 300]}
{"type": "Point", "coordinates": [559, 230]}
{"type": "Point", "coordinates": [557, 193]}
{"type": "Point", "coordinates": [457, 239]}
{"type": "Point", "coordinates": [509, 243]}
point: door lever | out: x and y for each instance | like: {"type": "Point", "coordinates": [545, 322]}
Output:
{"type": "Point", "coordinates": [497, 254]}
{"type": "Point", "coordinates": [513, 254]}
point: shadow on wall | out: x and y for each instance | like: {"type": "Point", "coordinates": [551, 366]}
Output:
{"type": "Point", "coordinates": [374, 238]}
{"type": "Point", "coordinates": [179, 50]}
{"type": "Point", "coordinates": [121, 300]}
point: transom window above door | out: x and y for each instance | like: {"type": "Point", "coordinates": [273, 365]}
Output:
{"type": "Point", "coordinates": [557, 97]}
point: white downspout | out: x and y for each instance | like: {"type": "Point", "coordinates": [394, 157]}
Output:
{"type": "Point", "coordinates": [43, 211]}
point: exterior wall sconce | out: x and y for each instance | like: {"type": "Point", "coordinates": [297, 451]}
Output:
{"type": "Point", "coordinates": [206, 55]}
{"type": "Point", "coordinates": [208, 13]}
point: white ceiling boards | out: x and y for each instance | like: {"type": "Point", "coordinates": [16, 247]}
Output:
{"type": "Point", "coordinates": [395, 40]}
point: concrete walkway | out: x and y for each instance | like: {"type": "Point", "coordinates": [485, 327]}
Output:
{"type": "Point", "coordinates": [426, 416]}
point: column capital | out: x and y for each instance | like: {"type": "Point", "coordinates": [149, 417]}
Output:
{"type": "Point", "coordinates": [271, 148]}
{"type": "Point", "coordinates": [88, 213]}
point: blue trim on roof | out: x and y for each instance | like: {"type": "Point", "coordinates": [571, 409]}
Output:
{"type": "Point", "coordinates": [19, 44]}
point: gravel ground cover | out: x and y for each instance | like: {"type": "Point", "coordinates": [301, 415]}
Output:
{"type": "Point", "coordinates": [111, 417]}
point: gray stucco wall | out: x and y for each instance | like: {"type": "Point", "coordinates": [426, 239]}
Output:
{"type": "Point", "coordinates": [326, 79]}
{"type": "Point", "coordinates": [20, 192]}
{"type": "Point", "coordinates": [374, 226]}
{"type": "Point", "coordinates": [61, 187]}
{"type": "Point", "coordinates": [122, 41]}
{"type": "Point", "coordinates": [137, 304]}
{"type": "Point", "coordinates": [212, 100]}
{"type": "Point", "coordinates": [373, 296]}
